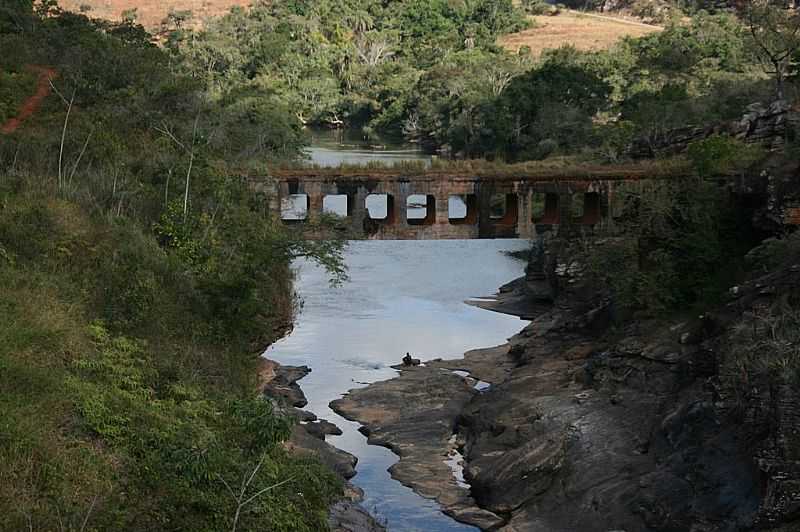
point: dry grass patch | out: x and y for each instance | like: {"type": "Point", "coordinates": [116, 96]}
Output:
{"type": "Point", "coordinates": [150, 13]}
{"type": "Point", "coordinates": [584, 31]}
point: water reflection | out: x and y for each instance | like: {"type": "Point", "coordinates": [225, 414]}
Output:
{"type": "Point", "coordinates": [402, 296]}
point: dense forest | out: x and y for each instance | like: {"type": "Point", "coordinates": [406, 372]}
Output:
{"type": "Point", "coordinates": [141, 276]}
{"type": "Point", "coordinates": [433, 73]}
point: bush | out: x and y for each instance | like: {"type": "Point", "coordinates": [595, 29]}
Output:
{"type": "Point", "coordinates": [537, 7]}
{"type": "Point", "coordinates": [722, 155]}
{"type": "Point", "coordinates": [654, 11]}
{"type": "Point", "coordinates": [545, 149]}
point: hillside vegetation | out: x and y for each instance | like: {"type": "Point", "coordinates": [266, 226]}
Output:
{"type": "Point", "coordinates": [140, 280]}
{"type": "Point", "coordinates": [433, 73]}
{"type": "Point", "coordinates": [141, 276]}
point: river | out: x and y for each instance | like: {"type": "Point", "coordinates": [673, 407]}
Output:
{"type": "Point", "coordinates": [402, 296]}
{"type": "Point", "coordinates": [336, 147]}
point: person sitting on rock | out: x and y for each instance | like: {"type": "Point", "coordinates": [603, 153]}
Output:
{"type": "Point", "coordinates": [408, 361]}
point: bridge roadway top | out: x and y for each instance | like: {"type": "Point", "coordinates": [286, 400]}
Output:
{"type": "Point", "coordinates": [468, 171]}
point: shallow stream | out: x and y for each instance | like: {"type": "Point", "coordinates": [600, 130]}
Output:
{"type": "Point", "coordinates": [403, 296]}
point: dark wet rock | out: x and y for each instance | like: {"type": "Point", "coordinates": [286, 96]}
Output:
{"type": "Point", "coordinates": [414, 415]}
{"type": "Point", "coordinates": [348, 516]}
{"type": "Point", "coordinates": [322, 428]}
{"type": "Point", "coordinates": [283, 385]}
{"type": "Point", "coordinates": [513, 299]}
{"type": "Point", "coordinates": [492, 364]}
{"type": "Point", "coordinates": [599, 453]}
{"type": "Point", "coordinates": [279, 384]}
{"type": "Point", "coordinates": [303, 415]}
{"type": "Point", "coordinates": [340, 461]}
{"type": "Point", "coordinates": [630, 431]}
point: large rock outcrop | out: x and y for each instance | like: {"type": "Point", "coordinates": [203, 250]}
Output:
{"type": "Point", "coordinates": [649, 427]}
{"type": "Point", "coordinates": [593, 425]}
{"type": "Point", "coordinates": [769, 125]}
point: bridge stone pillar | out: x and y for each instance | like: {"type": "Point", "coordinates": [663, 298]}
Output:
{"type": "Point", "coordinates": [525, 227]}
{"type": "Point", "coordinates": [359, 209]}
{"type": "Point", "coordinates": [607, 206]}
{"type": "Point", "coordinates": [315, 194]}
{"type": "Point", "coordinates": [401, 190]}
{"type": "Point", "coordinates": [442, 208]}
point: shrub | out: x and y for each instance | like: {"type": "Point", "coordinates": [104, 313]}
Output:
{"type": "Point", "coordinates": [537, 7]}
{"type": "Point", "coordinates": [718, 155]}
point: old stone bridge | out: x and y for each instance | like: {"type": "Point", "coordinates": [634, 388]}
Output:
{"type": "Point", "coordinates": [517, 202]}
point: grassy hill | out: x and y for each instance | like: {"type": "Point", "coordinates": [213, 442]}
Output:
{"type": "Point", "coordinates": [584, 31]}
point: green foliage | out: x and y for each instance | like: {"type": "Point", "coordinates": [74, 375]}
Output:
{"type": "Point", "coordinates": [689, 74]}
{"type": "Point", "coordinates": [677, 249]}
{"type": "Point", "coordinates": [775, 38]}
{"type": "Point", "coordinates": [765, 348]}
{"type": "Point", "coordinates": [135, 291]}
{"type": "Point", "coordinates": [149, 414]}
{"type": "Point", "coordinates": [341, 61]}
{"type": "Point", "coordinates": [617, 137]}
{"type": "Point", "coordinates": [536, 7]}
{"type": "Point", "coordinates": [431, 71]}
{"type": "Point", "coordinates": [765, 344]}
{"type": "Point", "coordinates": [653, 11]}
{"type": "Point", "coordinates": [14, 87]}
{"type": "Point", "coordinates": [774, 252]}
{"type": "Point", "coordinates": [555, 101]}
{"type": "Point", "coordinates": [720, 155]}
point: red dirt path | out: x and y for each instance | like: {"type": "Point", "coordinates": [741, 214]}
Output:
{"type": "Point", "coordinates": [32, 104]}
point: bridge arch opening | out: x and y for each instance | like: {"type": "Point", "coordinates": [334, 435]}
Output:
{"type": "Point", "coordinates": [462, 209]}
{"type": "Point", "coordinates": [544, 208]}
{"type": "Point", "coordinates": [421, 209]}
{"type": "Point", "coordinates": [591, 208]}
{"type": "Point", "coordinates": [503, 209]}
{"type": "Point", "coordinates": [294, 208]}
{"type": "Point", "coordinates": [576, 206]}
{"type": "Point", "coordinates": [380, 207]}
{"type": "Point", "coordinates": [338, 204]}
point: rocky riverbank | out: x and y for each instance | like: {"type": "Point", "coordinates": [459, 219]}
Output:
{"type": "Point", "coordinates": [279, 384]}
{"type": "Point", "coordinates": [587, 426]}
{"type": "Point", "coordinates": [415, 415]}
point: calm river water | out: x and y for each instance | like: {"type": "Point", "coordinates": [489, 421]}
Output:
{"type": "Point", "coordinates": [335, 147]}
{"type": "Point", "coordinates": [402, 296]}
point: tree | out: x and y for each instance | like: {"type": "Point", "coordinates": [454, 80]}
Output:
{"type": "Point", "coordinates": [13, 15]}
{"type": "Point", "coordinates": [775, 31]}
{"type": "Point", "coordinates": [554, 102]}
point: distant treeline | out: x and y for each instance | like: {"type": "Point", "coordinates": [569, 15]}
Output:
{"type": "Point", "coordinates": [432, 72]}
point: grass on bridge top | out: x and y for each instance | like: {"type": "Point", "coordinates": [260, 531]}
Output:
{"type": "Point", "coordinates": [554, 168]}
